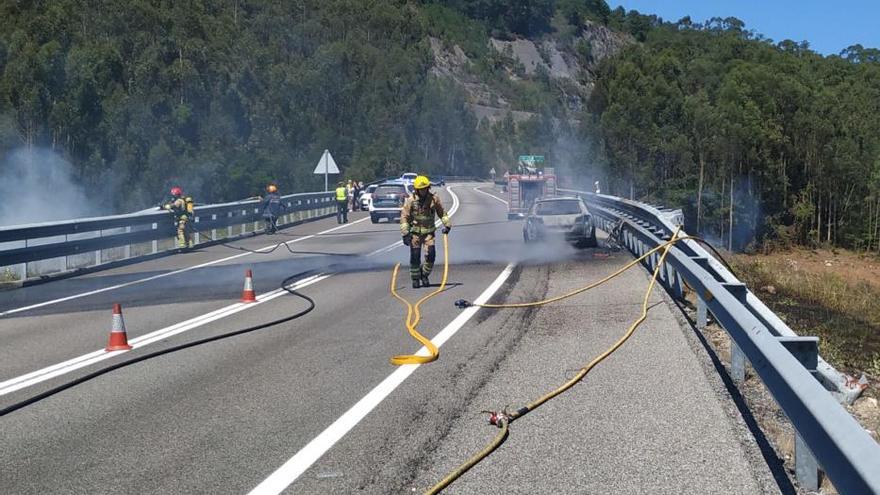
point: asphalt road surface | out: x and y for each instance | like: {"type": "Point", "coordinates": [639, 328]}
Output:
{"type": "Point", "coordinates": [314, 406]}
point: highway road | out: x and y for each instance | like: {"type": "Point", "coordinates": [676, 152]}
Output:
{"type": "Point", "coordinates": [314, 406]}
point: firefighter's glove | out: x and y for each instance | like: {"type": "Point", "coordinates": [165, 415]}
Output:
{"type": "Point", "coordinates": [446, 230]}
{"type": "Point", "coordinates": [407, 240]}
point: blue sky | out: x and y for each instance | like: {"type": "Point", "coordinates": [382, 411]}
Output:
{"type": "Point", "coordinates": [828, 26]}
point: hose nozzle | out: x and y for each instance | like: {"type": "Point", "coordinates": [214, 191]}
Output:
{"type": "Point", "coordinates": [462, 303]}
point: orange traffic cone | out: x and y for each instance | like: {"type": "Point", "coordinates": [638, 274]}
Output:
{"type": "Point", "coordinates": [248, 295]}
{"type": "Point", "coordinates": [118, 338]}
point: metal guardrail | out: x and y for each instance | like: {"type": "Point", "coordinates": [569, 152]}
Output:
{"type": "Point", "coordinates": [787, 364]}
{"type": "Point", "coordinates": [37, 249]}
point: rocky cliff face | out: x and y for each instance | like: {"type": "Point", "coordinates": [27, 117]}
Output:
{"type": "Point", "coordinates": [570, 65]}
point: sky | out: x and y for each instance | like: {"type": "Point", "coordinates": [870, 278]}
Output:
{"type": "Point", "coordinates": [827, 25]}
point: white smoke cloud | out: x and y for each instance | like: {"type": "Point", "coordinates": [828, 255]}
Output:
{"type": "Point", "coordinates": [38, 185]}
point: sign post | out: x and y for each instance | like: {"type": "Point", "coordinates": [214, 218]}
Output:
{"type": "Point", "coordinates": [326, 166]}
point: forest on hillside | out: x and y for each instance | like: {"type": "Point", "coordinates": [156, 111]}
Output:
{"type": "Point", "coordinates": [223, 97]}
{"type": "Point", "coordinates": [760, 142]}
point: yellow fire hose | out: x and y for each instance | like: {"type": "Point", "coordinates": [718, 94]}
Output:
{"type": "Point", "coordinates": [503, 419]}
{"type": "Point", "coordinates": [414, 315]}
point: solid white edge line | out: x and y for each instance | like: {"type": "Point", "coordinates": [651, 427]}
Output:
{"type": "Point", "coordinates": [168, 274]}
{"type": "Point", "coordinates": [279, 480]}
{"type": "Point", "coordinates": [490, 195]}
{"type": "Point", "coordinates": [64, 367]}
{"type": "Point", "coordinates": [35, 377]}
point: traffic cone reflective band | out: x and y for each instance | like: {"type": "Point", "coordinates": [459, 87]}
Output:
{"type": "Point", "coordinates": [248, 295]}
{"type": "Point", "coordinates": [118, 338]}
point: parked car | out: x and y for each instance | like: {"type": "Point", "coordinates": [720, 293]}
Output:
{"type": "Point", "coordinates": [438, 181]}
{"type": "Point", "coordinates": [365, 196]}
{"type": "Point", "coordinates": [409, 177]}
{"type": "Point", "coordinates": [387, 200]}
{"type": "Point", "coordinates": [566, 217]}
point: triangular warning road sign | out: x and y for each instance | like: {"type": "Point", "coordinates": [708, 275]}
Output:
{"type": "Point", "coordinates": [326, 165]}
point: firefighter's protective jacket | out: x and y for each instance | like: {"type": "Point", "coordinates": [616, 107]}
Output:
{"type": "Point", "coordinates": [417, 214]}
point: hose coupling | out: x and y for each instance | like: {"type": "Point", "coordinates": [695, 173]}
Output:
{"type": "Point", "coordinates": [462, 303]}
{"type": "Point", "coordinates": [495, 418]}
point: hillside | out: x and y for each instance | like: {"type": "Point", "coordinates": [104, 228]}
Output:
{"type": "Point", "coordinates": [760, 142]}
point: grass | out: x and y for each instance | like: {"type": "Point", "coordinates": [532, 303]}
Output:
{"type": "Point", "coordinates": [8, 275]}
{"type": "Point", "coordinates": [844, 314]}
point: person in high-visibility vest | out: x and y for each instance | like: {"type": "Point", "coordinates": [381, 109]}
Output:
{"type": "Point", "coordinates": [341, 203]}
{"type": "Point", "coordinates": [417, 228]}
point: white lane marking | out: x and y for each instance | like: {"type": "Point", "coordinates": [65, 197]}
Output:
{"type": "Point", "coordinates": [496, 198]}
{"type": "Point", "coordinates": [297, 465]}
{"type": "Point", "coordinates": [41, 375]}
{"type": "Point", "coordinates": [438, 223]}
{"type": "Point", "coordinates": [76, 363]}
{"type": "Point", "coordinates": [168, 274]}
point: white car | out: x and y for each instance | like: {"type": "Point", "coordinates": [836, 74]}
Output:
{"type": "Point", "coordinates": [409, 177]}
{"type": "Point", "coordinates": [564, 217]}
{"type": "Point", "coordinates": [365, 196]}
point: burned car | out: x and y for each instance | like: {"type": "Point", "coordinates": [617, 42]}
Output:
{"type": "Point", "coordinates": [565, 217]}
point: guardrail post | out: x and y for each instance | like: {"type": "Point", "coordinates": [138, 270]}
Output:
{"type": "Point", "coordinates": [214, 230]}
{"type": "Point", "coordinates": [677, 286]}
{"type": "Point", "coordinates": [98, 252]}
{"type": "Point", "coordinates": [66, 264]}
{"type": "Point", "coordinates": [229, 227]}
{"type": "Point", "coordinates": [126, 251]}
{"type": "Point", "coordinates": [243, 224]}
{"type": "Point", "coordinates": [155, 242]}
{"type": "Point", "coordinates": [197, 237]}
{"type": "Point", "coordinates": [737, 358]}
{"type": "Point", "coordinates": [702, 313]}
{"type": "Point", "coordinates": [806, 468]}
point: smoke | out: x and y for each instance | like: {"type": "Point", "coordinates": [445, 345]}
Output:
{"type": "Point", "coordinates": [38, 186]}
{"type": "Point", "coordinates": [574, 161]}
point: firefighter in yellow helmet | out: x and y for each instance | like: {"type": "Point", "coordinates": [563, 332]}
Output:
{"type": "Point", "coordinates": [417, 228]}
{"type": "Point", "coordinates": [182, 208]}
{"type": "Point", "coordinates": [272, 208]}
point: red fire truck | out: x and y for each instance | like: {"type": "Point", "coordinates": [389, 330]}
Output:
{"type": "Point", "coordinates": [525, 187]}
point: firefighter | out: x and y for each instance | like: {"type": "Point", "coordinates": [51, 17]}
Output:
{"type": "Point", "coordinates": [341, 203]}
{"type": "Point", "coordinates": [182, 208]}
{"type": "Point", "coordinates": [272, 208]}
{"type": "Point", "coordinates": [417, 228]}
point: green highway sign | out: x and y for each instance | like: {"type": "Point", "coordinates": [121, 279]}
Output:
{"type": "Point", "coordinates": [531, 158]}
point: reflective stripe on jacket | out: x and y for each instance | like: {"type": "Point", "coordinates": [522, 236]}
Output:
{"type": "Point", "coordinates": [417, 215]}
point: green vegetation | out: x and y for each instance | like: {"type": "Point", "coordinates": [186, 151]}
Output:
{"type": "Point", "coordinates": [224, 96]}
{"type": "Point", "coordinates": [758, 141]}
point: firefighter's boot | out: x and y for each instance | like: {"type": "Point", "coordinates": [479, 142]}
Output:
{"type": "Point", "coordinates": [428, 266]}
{"type": "Point", "coordinates": [416, 283]}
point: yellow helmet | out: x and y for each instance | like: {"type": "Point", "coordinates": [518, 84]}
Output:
{"type": "Point", "coordinates": [421, 182]}
{"type": "Point", "coordinates": [272, 188]}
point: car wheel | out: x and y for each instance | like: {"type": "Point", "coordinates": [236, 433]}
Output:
{"type": "Point", "coordinates": [530, 233]}
{"type": "Point", "coordinates": [592, 241]}
{"type": "Point", "coordinates": [374, 218]}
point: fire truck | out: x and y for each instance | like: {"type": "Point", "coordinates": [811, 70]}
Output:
{"type": "Point", "coordinates": [528, 184]}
